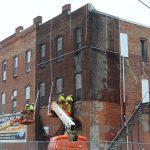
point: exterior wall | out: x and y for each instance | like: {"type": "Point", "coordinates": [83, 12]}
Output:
{"type": "Point", "coordinates": [135, 68]}
{"type": "Point", "coordinates": [104, 58]}
{"type": "Point", "coordinates": [17, 45]}
{"type": "Point", "coordinates": [65, 68]}
{"type": "Point", "coordinates": [100, 63]}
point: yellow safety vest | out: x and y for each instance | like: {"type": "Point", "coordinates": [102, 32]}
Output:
{"type": "Point", "coordinates": [69, 99]}
{"type": "Point", "coordinates": [61, 98]}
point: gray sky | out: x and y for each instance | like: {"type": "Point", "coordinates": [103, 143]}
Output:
{"type": "Point", "coordinates": [14, 13]}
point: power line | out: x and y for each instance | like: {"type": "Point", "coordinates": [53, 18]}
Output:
{"type": "Point", "coordinates": [147, 1]}
{"type": "Point", "coordinates": [144, 4]}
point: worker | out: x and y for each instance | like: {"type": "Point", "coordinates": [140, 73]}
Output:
{"type": "Point", "coordinates": [61, 100]}
{"type": "Point", "coordinates": [72, 134]}
{"type": "Point", "coordinates": [69, 101]}
{"type": "Point", "coordinates": [31, 108]}
{"type": "Point", "coordinates": [26, 112]}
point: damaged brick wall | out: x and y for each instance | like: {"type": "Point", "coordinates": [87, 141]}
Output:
{"type": "Point", "coordinates": [104, 58]}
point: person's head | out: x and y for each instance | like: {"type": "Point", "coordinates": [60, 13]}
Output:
{"type": "Point", "coordinates": [70, 95]}
{"type": "Point", "coordinates": [27, 105]}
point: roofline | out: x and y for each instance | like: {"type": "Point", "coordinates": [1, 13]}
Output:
{"type": "Point", "coordinates": [120, 19]}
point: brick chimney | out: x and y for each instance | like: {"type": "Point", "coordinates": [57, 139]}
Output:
{"type": "Point", "coordinates": [66, 8]}
{"type": "Point", "coordinates": [37, 20]}
{"type": "Point", "coordinates": [19, 29]}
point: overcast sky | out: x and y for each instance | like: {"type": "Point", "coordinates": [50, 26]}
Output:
{"type": "Point", "coordinates": [14, 13]}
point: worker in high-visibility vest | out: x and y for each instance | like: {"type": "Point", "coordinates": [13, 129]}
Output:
{"type": "Point", "coordinates": [69, 101]}
{"type": "Point", "coordinates": [26, 112]}
{"type": "Point", "coordinates": [61, 100]}
{"type": "Point", "coordinates": [31, 110]}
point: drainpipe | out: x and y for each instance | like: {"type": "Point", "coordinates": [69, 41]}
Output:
{"type": "Point", "coordinates": [127, 136]}
{"type": "Point", "coordinates": [124, 98]}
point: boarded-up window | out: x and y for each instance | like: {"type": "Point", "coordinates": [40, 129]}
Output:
{"type": "Point", "coordinates": [124, 44]}
{"type": "Point", "coordinates": [145, 91]}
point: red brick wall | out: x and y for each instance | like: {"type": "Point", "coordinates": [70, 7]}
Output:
{"type": "Point", "coordinates": [17, 46]}
{"type": "Point", "coordinates": [135, 69]}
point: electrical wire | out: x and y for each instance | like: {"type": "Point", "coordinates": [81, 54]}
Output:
{"type": "Point", "coordinates": [146, 1]}
{"type": "Point", "coordinates": [76, 50]}
{"type": "Point", "coordinates": [144, 4]}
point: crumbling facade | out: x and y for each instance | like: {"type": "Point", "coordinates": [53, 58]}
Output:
{"type": "Point", "coordinates": [102, 61]}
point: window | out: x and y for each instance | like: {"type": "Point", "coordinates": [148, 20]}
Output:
{"type": "Point", "coordinates": [15, 66]}
{"type": "Point", "coordinates": [42, 53]}
{"type": "Point", "coordinates": [78, 61]}
{"type": "Point", "coordinates": [78, 86]}
{"type": "Point", "coordinates": [143, 43]}
{"type": "Point", "coordinates": [59, 48]}
{"type": "Point", "coordinates": [42, 93]}
{"type": "Point", "coordinates": [27, 94]}
{"type": "Point", "coordinates": [14, 101]}
{"type": "Point", "coordinates": [78, 39]}
{"type": "Point", "coordinates": [59, 86]}
{"type": "Point", "coordinates": [4, 65]}
{"type": "Point", "coordinates": [28, 60]}
{"type": "Point", "coordinates": [3, 99]}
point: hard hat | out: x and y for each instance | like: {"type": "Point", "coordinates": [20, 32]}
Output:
{"type": "Point", "coordinates": [27, 105]}
{"type": "Point", "coordinates": [70, 95]}
{"type": "Point", "coordinates": [32, 103]}
{"type": "Point", "coordinates": [62, 94]}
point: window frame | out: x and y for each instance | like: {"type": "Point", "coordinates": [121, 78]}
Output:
{"type": "Point", "coordinates": [3, 102]}
{"type": "Point", "coordinates": [28, 60]}
{"type": "Point", "coordinates": [42, 58]}
{"type": "Point", "coordinates": [15, 66]}
{"type": "Point", "coordinates": [42, 93]}
{"type": "Point", "coordinates": [144, 49]}
{"type": "Point", "coordinates": [78, 86]}
{"type": "Point", "coordinates": [14, 101]}
{"type": "Point", "coordinates": [59, 85]}
{"type": "Point", "coordinates": [78, 40]}
{"type": "Point", "coordinates": [4, 70]}
{"type": "Point", "coordinates": [27, 97]}
{"type": "Point", "coordinates": [59, 49]}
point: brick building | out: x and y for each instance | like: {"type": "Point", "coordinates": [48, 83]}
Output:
{"type": "Point", "coordinates": [17, 88]}
{"type": "Point", "coordinates": [102, 60]}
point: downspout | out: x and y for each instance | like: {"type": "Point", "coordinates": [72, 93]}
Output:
{"type": "Point", "coordinates": [121, 109]}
